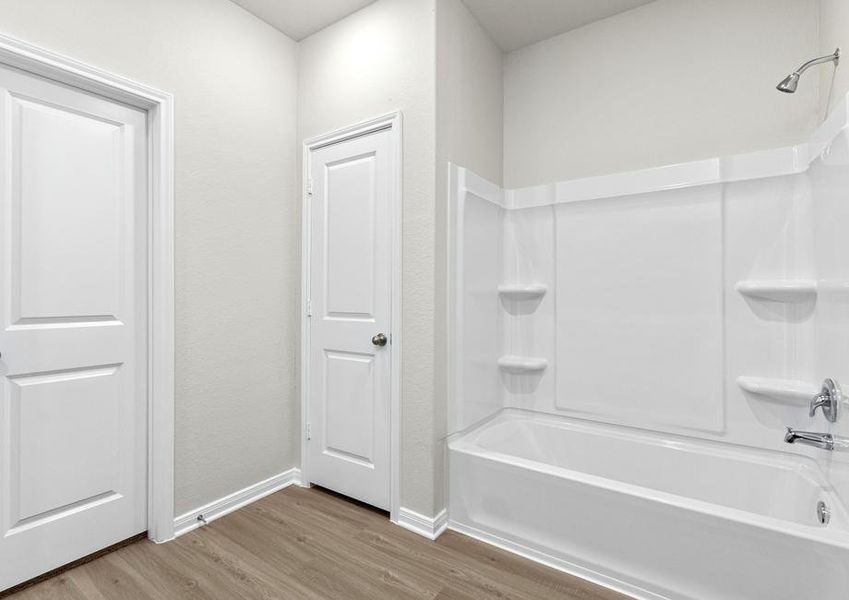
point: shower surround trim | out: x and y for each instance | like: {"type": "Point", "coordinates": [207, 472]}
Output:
{"type": "Point", "coordinates": [830, 142]}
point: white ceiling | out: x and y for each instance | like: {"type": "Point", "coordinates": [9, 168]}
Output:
{"type": "Point", "coordinates": [511, 23]}
{"type": "Point", "coordinates": [301, 18]}
{"type": "Point", "coordinates": [516, 23]}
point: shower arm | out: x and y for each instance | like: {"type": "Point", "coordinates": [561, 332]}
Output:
{"type": "Point", "coordinates": [834, 57]}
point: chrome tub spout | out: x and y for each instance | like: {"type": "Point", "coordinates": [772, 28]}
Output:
{"type": "Point", "coordinates": [810, 438]}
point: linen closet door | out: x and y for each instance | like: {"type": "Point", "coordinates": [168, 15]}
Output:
{"type": "Point", "coordinates": [73, 342]}
{"type": "Point", "coordinates": [350, 299]}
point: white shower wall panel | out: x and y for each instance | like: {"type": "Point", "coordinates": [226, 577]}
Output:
{"type": "Point", "coordinates": [578, 251]}
{"type": "Point", "coordinates": [639, 309]}
{"type": "Point", "coordinates": [527, 323]}
{"type": "Point", "coordinates": [642, 308]}
{"type": "Point", "coordinates": [830, 188]}
{"type": "Point", "coordinates": [768, 237]}
{"type": "Point", "coordinates": [478, 273]}
{"type": "Point", "coordinates": [643, 324]}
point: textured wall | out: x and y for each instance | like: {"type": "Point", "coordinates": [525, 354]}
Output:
{"type": "Point", "coordinates": [834, 32]}
{"type": "Point", "coordinates": [380, 59]}
{"type": "Point", "coordinates": [237, 221]}
{"type": "Point", "coordinates": [671, 81]}
{"type": "Point", "coordinates": [469, 93]}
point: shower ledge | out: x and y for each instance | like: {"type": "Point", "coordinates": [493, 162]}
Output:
{"type": "Point", "coordinates": [522, 291]}
{"type": "Point", "coordinates": [786, 390]}
{"type": "Point", "coordinates": [779, 290]}
{"type": "Point", "coordinates": [522, 364]}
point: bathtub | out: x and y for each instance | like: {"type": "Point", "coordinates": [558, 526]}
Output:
{"type": "Point", "coordinates": [652, 516]}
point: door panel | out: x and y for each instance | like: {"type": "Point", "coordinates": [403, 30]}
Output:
{"type": "Point", "coordinates": [349, 403]}
{"type": "Point", "coordinates": [78, 277]}
{"type": "Point", "coordinates": [350, 295]}
{"type": "Point", "coordinates": [73, 370]}
{"type": "Point", "coordinates": [62, 433]}
{"type": "Point", "coordinates": [350, 222]}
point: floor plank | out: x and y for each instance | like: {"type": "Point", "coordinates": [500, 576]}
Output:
{"type": "Point", "coordinates": [310, 544]}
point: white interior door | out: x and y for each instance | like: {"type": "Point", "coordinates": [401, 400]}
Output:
{"type": "Point", "coordinates": [73, 369]}
{"type": "Point", "coordinates": [350, 299]}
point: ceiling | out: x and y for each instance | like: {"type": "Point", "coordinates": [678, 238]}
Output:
{"type": "Point", "coordinates": [511, 23]}
{"type": "Point", "coordinates": [516, 23]}
{"type": "Point", "coordinates": [301, 18]}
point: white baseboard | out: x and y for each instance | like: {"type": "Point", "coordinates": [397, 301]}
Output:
{"type": "Point", "coordinates": [607, 581]}
{"type": "Point", "coordinates": [429, 527]}
{"type": "Point", "coordinates": [218, 508]}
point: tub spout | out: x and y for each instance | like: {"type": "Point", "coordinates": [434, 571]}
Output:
{"type": "Point", "coordinates": [809, 438]}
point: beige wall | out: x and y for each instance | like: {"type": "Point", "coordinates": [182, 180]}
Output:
{"type": "Point", "coordinates": [380, 59]}
{"type": "Point", "coordinates": [237, 223]}
{"type": "Point", "coordinates": [834, 32]}
{"type": "Point", "coordinates": [671, 81]}
{"type": "Point", "coordinates": [469, 93]}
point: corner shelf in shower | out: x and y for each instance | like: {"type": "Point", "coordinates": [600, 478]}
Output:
{"type": "Point", "coordinates": [519, 365]}
{"type": "Point", "coordinates": [786, 390]}
{"type": "Point", "coordinates": [779, 290]}
{"type": "Point", "coordinates": [522, 291]}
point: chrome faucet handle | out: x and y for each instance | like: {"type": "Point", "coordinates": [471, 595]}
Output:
{"type": "Point", "coordinates": [828, 400]}
{"type": "Point", "coordinates": [820, 401]}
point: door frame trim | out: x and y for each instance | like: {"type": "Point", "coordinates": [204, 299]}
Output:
{"type": "Point", "coordinates": [392, 122]}
{"type": "Point", "coordinates": [159, 107]}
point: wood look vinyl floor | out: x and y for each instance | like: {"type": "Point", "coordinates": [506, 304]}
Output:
{"type": "Point", "coordinates": [309, 544]}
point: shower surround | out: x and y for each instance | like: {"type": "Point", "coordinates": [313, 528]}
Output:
{"type": "Point", "coordinates": [628, 352]}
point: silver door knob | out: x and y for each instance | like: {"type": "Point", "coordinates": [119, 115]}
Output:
{"type": "Point", "coordinates": [379, 340]}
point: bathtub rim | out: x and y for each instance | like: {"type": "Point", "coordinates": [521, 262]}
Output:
{"type": "Point", "coordinates": [465, 443]}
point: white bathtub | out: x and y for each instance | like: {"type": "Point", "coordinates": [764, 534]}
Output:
{"type": "Point", "coordinates": [652, 516]}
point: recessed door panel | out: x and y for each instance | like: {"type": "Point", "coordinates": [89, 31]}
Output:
{"type": "Point", "coordinates": [349, 205]}
{"type": "Point", "coordinates": [65, 249]}
{"type": "Point", "coordinates": [64, 430]}
{"type": "Point", "coordinates": [349, 406]}
{"type": "Point", "coordinates": [73, 340]}
{"type": "Point", "coordinates": [350, 288]}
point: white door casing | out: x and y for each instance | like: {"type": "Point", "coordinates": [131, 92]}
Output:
{"type": "Point", "coordinates": [86, 192]}
{"type": "Point", "coordinates": [159, 106]}
{"type": "Point", "coordinates": [350, 407]}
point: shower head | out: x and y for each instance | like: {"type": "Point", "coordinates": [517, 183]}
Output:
{"type": "Point", "coordinates": [789, 84]}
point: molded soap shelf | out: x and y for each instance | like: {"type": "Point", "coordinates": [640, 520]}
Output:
{"type": "Point", "coordinates": [779, 290]}
{"type": "Point", "coordinates": [787, 390]}
{"type": "Point", "coordinates": [522, 364]}
{"type": "Point", "coordinates": [522, 291]}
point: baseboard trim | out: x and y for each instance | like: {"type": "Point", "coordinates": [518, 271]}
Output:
{"type": "Point", "coordinates": [610, 582]}
{"type": "Point", "coordinates": [429, 527]}
{"type": "Point", "coordinates": [218, 508]}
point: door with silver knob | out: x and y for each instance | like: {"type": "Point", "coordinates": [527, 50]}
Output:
{"type": "Point", "coordinates": [350, 297]}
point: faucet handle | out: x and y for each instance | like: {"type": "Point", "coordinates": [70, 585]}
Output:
{"type": "Point", "coordinates": [828, 400]}
{"type": "Point", "coordinates": [819, 401]}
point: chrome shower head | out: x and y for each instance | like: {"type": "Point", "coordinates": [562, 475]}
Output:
{"type": "Point", "coordinates": [789, 84]}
